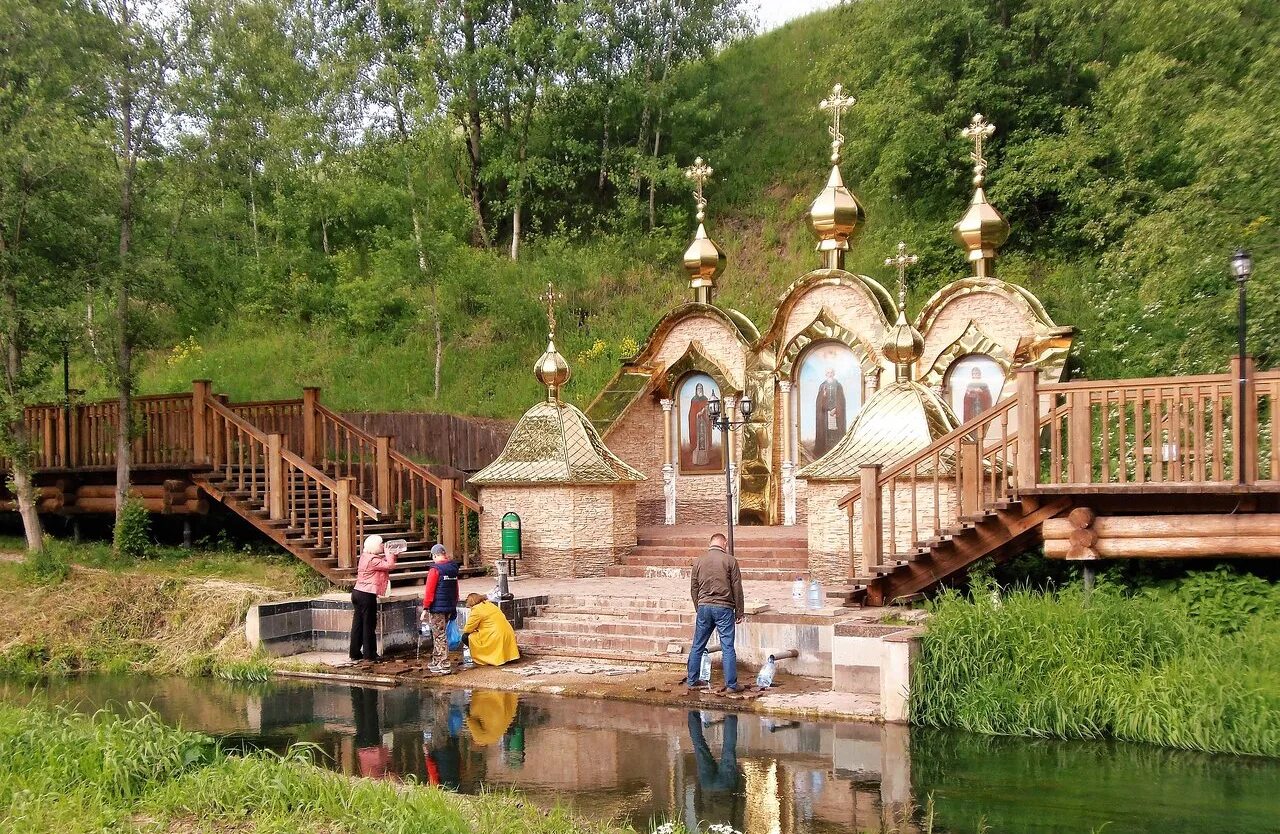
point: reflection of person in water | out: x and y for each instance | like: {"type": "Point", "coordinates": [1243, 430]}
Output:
{"type": "Point", "coordinates": [828, 414]}
{"type": "Point", "coordinates": [440, 749]}
{"type": "Point", "coordinates": [720, 796]}
{"type": "Point", "coordinates": [372, 754]}
{"type": "Point", "coordinates": [489, 716]}
{"type": "Point", "coordinates": [977, 396]}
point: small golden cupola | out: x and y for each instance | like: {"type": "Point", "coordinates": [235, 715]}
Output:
{"type": "Point", "coordinates": [899, 419]}
{"type": "Point", "coordinates": [836, 214]}
{"type": "Point", "coordinates": [554, 442]}
{"type": "Point", "coordinates": [983, 228]}
{"type": "Point", "coordinates": [551, 369]}
{"type": "Point", "coordinates": [903, 344]}
{"type": "Point", "coordinates": [704, 259]}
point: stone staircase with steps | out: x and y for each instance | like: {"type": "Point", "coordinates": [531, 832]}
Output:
{"type": "Point", "coordinates": [764, 553]}
{"type": "Point", "coordinates": [644, 629]}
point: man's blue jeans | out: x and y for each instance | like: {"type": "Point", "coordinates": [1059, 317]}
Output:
{"type": "Point", "coordinates": [719, 619]}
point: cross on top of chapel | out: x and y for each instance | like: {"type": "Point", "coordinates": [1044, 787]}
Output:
{"type": "Point", "coordinates": [978, 131]}
{"type": "Point", "coordinates": [836, 103]}
{"type": "Point", "coordinates": [549, 298]}
{"type": "Point", "coordinates": [699, 172]}
{"type": "Point", "coordinates": [902, 260]}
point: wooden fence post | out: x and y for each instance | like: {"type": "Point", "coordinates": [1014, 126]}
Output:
{"type": "Point", "coordinates": [344, 528]}
{"type": "Point", "coordinates": [275, 477]}
{"type": "Point", "coordinates": [872, 524]}
{"type": "Point", "coordinates": [1080, 439]}
{"type": "Point", "coordinates": [970, 478]}
{"type": "Point", "coordinates": [200, 420]}
{"type": "Point", "coordinates": [1028, 467]}
{"type": "Point", "coordinates": [382, 473]}
{"type": "Point", "coordinates": [448, 516]}
{"type": "Point", "coordinates": [1244, 422]}
{"type": "Point", "coordinates": [310, 399]}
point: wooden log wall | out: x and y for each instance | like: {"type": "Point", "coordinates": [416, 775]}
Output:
{"type": "Point", "coordinates": [1082, 535]}
{"type": "Point", "coordinates": [461, 443]}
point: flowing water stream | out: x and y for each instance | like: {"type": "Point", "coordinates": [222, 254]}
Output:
{"type": "Point", "coordinates": [636, 763]}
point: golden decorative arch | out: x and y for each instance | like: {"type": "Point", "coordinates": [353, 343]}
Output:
{"type": "Point", "coordinates": [877, 294]}
{"type": "Point", "coordinates": [695, 360]}
{"type": "Point", "coordinates": [823, 328]}
{"type": "Point", "coordinates": [1019, 296]}
{"type": "Point", "coordinates": [971, 341]}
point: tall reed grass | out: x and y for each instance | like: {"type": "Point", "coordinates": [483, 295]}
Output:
{"type": "Point", "coordinates": [1148, 667]}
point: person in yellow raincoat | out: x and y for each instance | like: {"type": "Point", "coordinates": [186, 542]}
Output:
{"type": "Point", "coordinates": [487, 632]}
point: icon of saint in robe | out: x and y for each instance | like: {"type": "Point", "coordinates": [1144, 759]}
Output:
{"type": "Point", "coordinates": [829, 414]}
{"type": "Point", "coordinates": [977, 396]}
{"type": "Point", "coordinates": [700, 427]}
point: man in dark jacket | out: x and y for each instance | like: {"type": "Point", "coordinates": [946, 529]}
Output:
{"type": "Point", "coordinates": [716, 587]}
{"type": "Point", "coordinates": [440, 605]}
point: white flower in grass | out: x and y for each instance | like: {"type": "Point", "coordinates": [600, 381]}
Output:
{"type": "Point", "coordinates": [722, 828]}
{"type": "Point", "coordinates": [665, 828]}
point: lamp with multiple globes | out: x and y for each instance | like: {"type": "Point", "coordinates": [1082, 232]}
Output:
{"type": "Point", "coordinates": [721, 421]}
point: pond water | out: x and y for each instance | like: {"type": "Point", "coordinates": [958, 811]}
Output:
{"type": "Point", "coordinates": [636, 763]}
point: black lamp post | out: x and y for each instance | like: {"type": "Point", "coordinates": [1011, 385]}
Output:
{"type": "Point", "coordinates": [720, 419]}
{"type": "Point", "coordinates": [1242, 269]}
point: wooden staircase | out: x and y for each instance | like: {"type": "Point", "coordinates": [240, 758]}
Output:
{"type": "Point", "coordinates": [1138, 448]}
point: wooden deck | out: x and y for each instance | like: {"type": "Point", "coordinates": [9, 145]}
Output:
{"type": "Point", "coordinates": [1137, 468]}
{"type": "Point", "coordinates": [300, 473]}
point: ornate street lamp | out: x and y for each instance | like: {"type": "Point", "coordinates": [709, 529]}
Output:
{"type": "Point", "coordinates": [721, 420]}
{"type": "Point", "coordinates": [1242, 269]}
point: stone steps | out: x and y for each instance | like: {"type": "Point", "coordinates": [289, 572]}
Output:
{"type": "Point", "coordinates": [674, 632]}
{"type": "Point", "coordinates": [673, 557]}
{"type": "Point", "coordinates": [652, 650]}
{"type": "Point", "coordinates": [748, 574]}
{"type": "Point", "coordinates": [645, 629]}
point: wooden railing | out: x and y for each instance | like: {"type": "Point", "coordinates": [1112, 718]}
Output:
{"type": "Point", "coordinates": [256, 464]}
{"type": "Point", "coordinates": [404, 490]}
{"type": "Point", "coordinates": [1136, 435]}
{"type": "Point", "coordinates": [275, 417]}
{"type": "Point", "coordinates": [83, 435]}
{"type": "Point", "coordinates": [956, 476]}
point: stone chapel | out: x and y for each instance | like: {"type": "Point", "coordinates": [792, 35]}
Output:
{"type": "Point", "coordinates": [841, 376]}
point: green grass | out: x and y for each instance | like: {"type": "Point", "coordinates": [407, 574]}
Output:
{"type": "Point", "coordinates": [1181, 666]}
{"type": "Point", "coordinates": [65, 772]}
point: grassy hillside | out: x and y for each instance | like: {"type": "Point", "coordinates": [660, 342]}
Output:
{"type": "Point", "coordinates": [1146, 287]}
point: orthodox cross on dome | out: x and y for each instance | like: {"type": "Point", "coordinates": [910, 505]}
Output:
{"type": "Point", "coordinates": [836, 103]}
{"type": "Point", "coordinates": [902, 260]}
{"type": "Point", "coordinates": [978, 131]}
{"type": "Point", "coordinates": [549, 298]}
{"type": "Point", "coordinates": [699, 172]}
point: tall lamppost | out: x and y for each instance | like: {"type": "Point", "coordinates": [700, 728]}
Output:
{"type": "Point", "coordinates": [720, 419]}
{"type": "Point", "coordinates": [1242, 269]}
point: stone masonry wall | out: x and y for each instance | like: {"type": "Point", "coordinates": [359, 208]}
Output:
{"type": "Point", "coordinates": [854, 309]}
{"type": "Point", "coordinates": [1004, 320]}
{"type": "Point", "coordinates": [568, 530]}
{"type": "Point", "coordinates": [637, 439]}
{"type": "Point", "coordinates": [719, 343]}
{"type": "Point", "coordinates": [829, 528]}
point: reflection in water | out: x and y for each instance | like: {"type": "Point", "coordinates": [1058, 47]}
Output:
{"type": "Point", "coordinates": [634, 763]}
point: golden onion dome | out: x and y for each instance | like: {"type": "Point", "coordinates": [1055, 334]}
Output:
{"type": "Point", "coordinates": [836, 215]}
{"type": "Point", "coordinates": [552, 371]}
{"type": "Point", "coordinates": [898, 421]}
{"type": "Point", "coordinates": [704, 261]}
{"type": "Point", "coordinates": [903, 344]}
{"type": "Point", "coordinates": [981, 231]}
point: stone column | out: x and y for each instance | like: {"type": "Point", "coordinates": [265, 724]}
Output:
{"type": "Point", "coordinates": [668, 465]}
{"type": "Point", "coordinates": [731, 462]}
{"type": "Point", "coordinates": [871, 384]}
{"type": "Point", "coordinates": [788, 464]}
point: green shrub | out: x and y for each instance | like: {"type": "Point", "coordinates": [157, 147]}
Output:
{"type": "Point", "coordinates": [133, 530]}
{"type": "Point", "coordinates": [1150, 667]}
{"type": "Point", "coordinates": [48, 565]}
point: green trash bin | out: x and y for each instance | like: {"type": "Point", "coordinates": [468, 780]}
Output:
{"type": "Point", "coordinates": [511, 540]}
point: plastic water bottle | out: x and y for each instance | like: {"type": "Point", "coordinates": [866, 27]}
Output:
{"type": "Point", "coordinates": [704, 671]}
{"type": "Point", "coordinates": [467, 663]}
{"type": "Point", "coordinates": [764, 678]}
{"type": "Point", "coordinates": [797, 589]}
{"type": "Point", "coordinates": [815, 594]}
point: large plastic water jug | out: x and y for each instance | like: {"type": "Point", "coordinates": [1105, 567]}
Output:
{"type": "Point", "coordinates": [764, 678]}
{"type": "Point", "coordinates": [815, 594]}
{"type": "Point", "coordinates": [704, 671]}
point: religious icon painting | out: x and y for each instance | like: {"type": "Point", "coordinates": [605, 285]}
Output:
{"type": "Point", "coordinates": [699, 442]}
{"type": "Point", "coordinates": [828, 395]}
{"type": "Point", "coordinates": [972, 385]}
